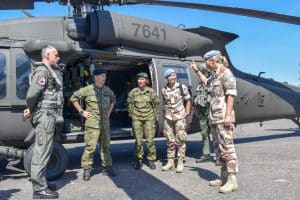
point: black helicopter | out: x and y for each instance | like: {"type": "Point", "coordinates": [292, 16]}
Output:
{"type": "Point", "coordinates": [124, 46]}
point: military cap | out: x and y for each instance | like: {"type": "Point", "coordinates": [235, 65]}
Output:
{"type": "Point", "coordinates": [142, 75]}
{"type": "Point", "coordinates": [168, 72]}
{"type": "Point", "coordinates": [98, 71]}
{"type": "Point", "coordinates": [211, 53]}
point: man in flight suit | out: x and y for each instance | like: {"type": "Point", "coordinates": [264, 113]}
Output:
{"type": "Point", "coordinates": [99, 100]}
{"type": "Point", "coordinates": [44, 99]}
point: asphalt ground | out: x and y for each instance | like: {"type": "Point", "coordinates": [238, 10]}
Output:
{"type": "Point", "coordinates": [269, 161]}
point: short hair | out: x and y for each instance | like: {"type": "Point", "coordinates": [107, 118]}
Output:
{"type": "Point", "coordinates": [47, 49]}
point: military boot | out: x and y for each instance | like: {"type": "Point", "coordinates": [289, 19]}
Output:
{"type": "Point", "coordinates": [179, 167]}
{"type": "Point", "coordinates": [222, 180]}
{"type": "Point", "coordinates": [231, 184]}
{"type": "Point", "coordinates": [169, 165]}
{"type": "Point", "coordinates": [87, 173]}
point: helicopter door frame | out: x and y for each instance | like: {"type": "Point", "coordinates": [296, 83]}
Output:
{"type": "Point", "coordinates": [5, 102]}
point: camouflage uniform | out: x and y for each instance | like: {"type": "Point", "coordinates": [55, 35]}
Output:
{"type": "Point", "coordinates": [97, 101]}
{"type": "Point", "coordinates": [44, 100]}
{"type": "Point", "coordinates": [202, 101]}
{"type": "Point", "coordinates": [223, 83]}
{"type": "Point", "coordinates": [174, 113]}
{"type": "Point", "coordinates": [143, 108]}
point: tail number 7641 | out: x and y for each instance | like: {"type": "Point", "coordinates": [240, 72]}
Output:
{"type": "Point", "coordinates": [149, 32]}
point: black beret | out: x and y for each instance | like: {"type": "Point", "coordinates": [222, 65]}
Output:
{"type": "Point", "coordinates": [98, 71]}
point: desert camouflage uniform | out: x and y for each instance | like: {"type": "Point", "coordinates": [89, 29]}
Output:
{"type": "Point", "coordinates": [44, 100]}
{"type": "Point", "coordinates": [143, 108]}
{"type": "Point", "coordinates": [223, 83]}
{"type": "Point", "coordinates": [175, 122]}
{"type": "Point", "coordinates": [97, 101]}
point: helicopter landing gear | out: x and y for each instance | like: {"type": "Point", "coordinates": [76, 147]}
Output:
{"type": "Point", "coordinates": [57, 165]}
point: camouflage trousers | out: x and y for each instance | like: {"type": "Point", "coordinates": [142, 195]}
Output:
{"type": "Point", "coordinates": [143, 129]}
{"type": "Point", "coordinates": [224, 147]}
{"type": "Point", "coordinates": [44, 121]}
{"type": "Point", "coordinates": [205, 131]}
{"type": "Point", "coordinates": [91, 138]}
{"type": "Point", "coordinates": [175, 132]}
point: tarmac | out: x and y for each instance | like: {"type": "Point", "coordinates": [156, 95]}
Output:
{"type": "Point", "coordinates": [269, 168]}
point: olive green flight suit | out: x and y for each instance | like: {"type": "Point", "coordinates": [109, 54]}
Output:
{"type": "Point", "coordinates": [143, 108]}
{"type": "Point", "coordinates": [97, 101]}
{"type": "Point", "coordinates": [44, 100]}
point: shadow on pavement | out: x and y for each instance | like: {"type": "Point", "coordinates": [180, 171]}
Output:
{"type": "Point", "coordinates": [7, 194]}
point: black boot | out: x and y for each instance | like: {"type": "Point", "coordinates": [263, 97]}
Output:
{"type": "Point", "coordinates": [151, 164]}
{"type": "Point", "coordinates": [138, 164]}
{"type": "Point", "coordinates": [203, 158]}
{"type": "Point", "coordinates": [87, 174]}
{"type": "Point", "coordinates": [45, 194]}
{"type": "Point", "coordinates": [108, 171]}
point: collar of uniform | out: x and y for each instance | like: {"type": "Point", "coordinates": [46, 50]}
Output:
{"type": "Point", "coordinates": [174, 86]}
{"type": "Point", "coordinates": [97, 87]}
{"type": "Point", "coordinates": [142, 91]}
{"type": "Point", "coordinates": [219, 70]}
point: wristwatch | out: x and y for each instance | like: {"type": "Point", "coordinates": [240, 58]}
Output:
{"type": "Point", "coordinates": [196, 71]}
{"type": "Point", "coordinates": [81, 112]}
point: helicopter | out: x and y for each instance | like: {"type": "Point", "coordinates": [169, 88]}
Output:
{"type": "Point", "coordinates": [124, 46]}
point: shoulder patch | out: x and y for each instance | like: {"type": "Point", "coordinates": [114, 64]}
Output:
{"type": "Point", "coordinates": [41, 80]}
{"type": "Point", "coordinates": [231, 79]}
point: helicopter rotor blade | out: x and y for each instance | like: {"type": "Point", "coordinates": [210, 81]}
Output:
{"type": "Point", "coordinates": [223, 9]}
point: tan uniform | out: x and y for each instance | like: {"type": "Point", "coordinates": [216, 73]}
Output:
{"type": "Point", "coordinates": [222, 84]}
{"type": "Point", "coordinates": [175, 123]}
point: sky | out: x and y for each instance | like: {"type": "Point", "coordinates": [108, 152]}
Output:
{"type": "Point", "coordinates": [263, 45]}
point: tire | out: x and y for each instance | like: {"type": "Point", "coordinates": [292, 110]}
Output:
{"type": "Point", "coordinates": [57, 164]}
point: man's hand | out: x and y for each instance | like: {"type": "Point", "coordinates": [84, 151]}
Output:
{"type": "Point", "coordinates": [227, 121]}
{"type": "Point", "coordinates": [193, 65]}
{"type": "Point", "coordinates": [26, 113]}
{"type": "Point", "coordinates": [85, 114]}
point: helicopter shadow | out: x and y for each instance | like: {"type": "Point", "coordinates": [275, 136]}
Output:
{"type": "Point", "coordinates": [7, 194]}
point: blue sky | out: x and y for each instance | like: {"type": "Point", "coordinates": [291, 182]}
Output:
{"type": "Point", "coordinates": [272, 47]}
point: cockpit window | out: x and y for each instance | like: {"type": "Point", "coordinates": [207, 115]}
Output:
{"type": "Point", "coordinates": [181, 73]}
{"type": "Point", "coordinates": [2, 76]}
{"type": "Point", "coordinates": [23, 69]}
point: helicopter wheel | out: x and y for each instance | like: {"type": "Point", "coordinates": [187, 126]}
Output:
{"type": "Point", "coordinates": [57, 164]}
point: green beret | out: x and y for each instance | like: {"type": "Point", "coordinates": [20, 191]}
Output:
{"type": "Point", "coordinates": [142, 75]}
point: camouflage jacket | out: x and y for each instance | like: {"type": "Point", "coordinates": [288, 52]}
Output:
{"type": "Point", "coordinates": [44, 91]}
{"type": "Point", "coordinates": [143, 105]}
{"type": "Point", "coordinates": [221, 84]}
{"type": "Point", "coordinates": [174, 101]}
{"type": "Point", "coordinates": [97, 101]}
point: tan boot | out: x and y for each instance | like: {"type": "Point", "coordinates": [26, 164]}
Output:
{"type": "Point", "coordinates": [231, 184]}
{"type": "Point", "coordinates": [222, 180]}
{"type": "Point", "coordinates": [169, 165]}
{"type": "Point", "coordinates": [179, 167]}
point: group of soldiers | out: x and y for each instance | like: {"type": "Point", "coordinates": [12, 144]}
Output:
{"type": "Point", "coordinates": [44, 101]}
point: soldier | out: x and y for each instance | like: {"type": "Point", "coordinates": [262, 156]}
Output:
{"type": "Point", "coordinates": [201, 101]}
{"type": "Point", "coordinates": [222, 117]}
{"type": "Point", "coordinates": [176, 108]}
{"type": "Point", "coordinates": [99, 100]}
{"type": "Point", "coordinates": [44, 99]}
{"type": "Point", "coordinates": [143, 108]}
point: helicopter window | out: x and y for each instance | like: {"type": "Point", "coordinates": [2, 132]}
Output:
{"type": "Point", "coordinates": [23, 69]}
{"type": "Point", "coordinates": [2, 76]}
{"type": "Point", "coordinates": [181, 73]}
